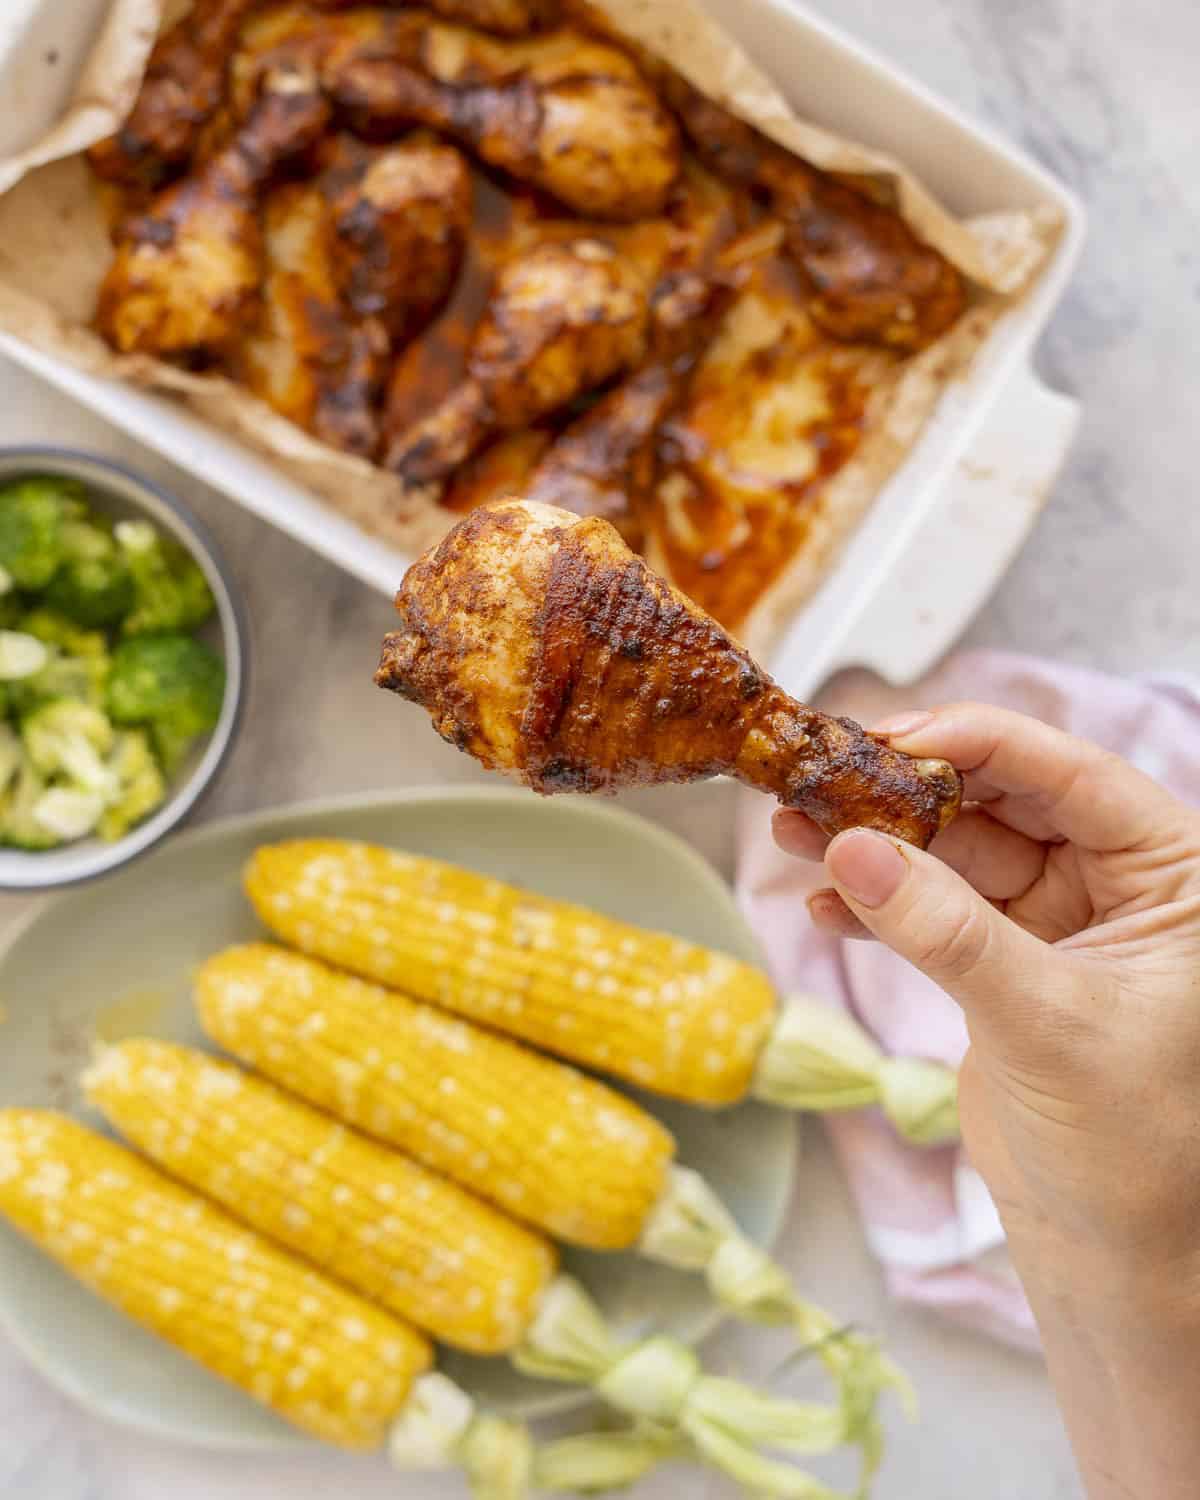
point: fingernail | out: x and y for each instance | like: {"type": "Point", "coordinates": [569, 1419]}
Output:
{"type": "Point", "coordinates": [866, 865]}
{"type": "Point", "coordinates": [905, 723]}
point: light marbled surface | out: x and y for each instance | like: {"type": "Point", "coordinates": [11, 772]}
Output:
{"type": "Point", "coordinates": [1102, 92]}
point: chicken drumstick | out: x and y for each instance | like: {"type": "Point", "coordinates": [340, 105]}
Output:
{"type": "Point", "coordinates": [186, 274]}
{"type": "Point", "coordinates": [562, 320]}
{"type": "Point", "coordinates": [559, 111]}
{"type": "Point", "coordinates": [543, 647]}
{"type": "Point", "coordinates": [505, 17]}
{"type": "Point", "coordinates": [871, 278]}
{"type": "Point", "coordinates": [400, 231]}
{"type": "Point", "coordinates": [181, 90]}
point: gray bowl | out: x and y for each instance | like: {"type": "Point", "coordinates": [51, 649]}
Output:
{"type": "Point", "coordinates": [117, 491]}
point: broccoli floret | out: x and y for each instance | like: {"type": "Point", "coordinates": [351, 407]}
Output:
{"type": "Point", "coordinates": [70, 739]}
{"type": "Point", "coordinates": [11, 610]}
{"type": "Point", "coordinates": [93, 585]}
{"type": "Point", "coordinates": [32, 513]}
{"type": "Point", "coordinates": [76, 666]}
{"type": "Point", "coordinates": [82, 678]}
{"type": "Point", "coordinates": [171, 684]}
{"type": "Point", "coordinates": [140, 785]}
{"type": "Point", "coordinates": [18, 825]}
{"type": "Point", "coordinates": [170, 590]}
{"type": "Point", "coordinates": [11, 754]}
{"type": "Point", "coordinates": [57, 630]}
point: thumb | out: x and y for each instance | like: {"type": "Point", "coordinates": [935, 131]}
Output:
{"type": "Point", "coordinates": [929, 915]}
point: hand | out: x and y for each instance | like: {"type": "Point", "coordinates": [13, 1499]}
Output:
{"type": "Point", "coordinates": [1062, 911]}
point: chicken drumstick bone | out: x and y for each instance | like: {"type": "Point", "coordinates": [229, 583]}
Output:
{"type": "Point", "coordinates": [542, 646]}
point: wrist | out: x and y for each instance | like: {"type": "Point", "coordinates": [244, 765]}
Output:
{"type": "Point", "coordinates": [1121, 1336]}
{"type": "Point", "coordinates": [1127, 1293]}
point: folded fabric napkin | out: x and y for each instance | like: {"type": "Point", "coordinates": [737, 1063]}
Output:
{"type": "Point", "coordinates": [927, 1215]}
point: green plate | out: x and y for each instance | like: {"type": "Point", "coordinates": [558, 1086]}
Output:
{"type": "Point", "coordinates": [113, 959]}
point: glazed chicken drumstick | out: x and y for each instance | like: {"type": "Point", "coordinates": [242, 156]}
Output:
{"type": "Point", "coordinates": [400, 230]}
{"type": "Point", "coordinates": [307, 356]}
{"type": "Point", "coordinates": [505, 17]}
{"type": "Point", "coordinates": [355, 264]}
{"type": "Point", "coordinates": [561, 112]}
{"type": "Point", "coordinates": [871, 278]}
{"type": "Point", "coordinates": [186, 273]}
{"type": "Point", "coordinates": [561, 320]}
{"type": "Point", "coordinates": [180, 92]}
{"type": "Point", "coordinates": [542, 646]}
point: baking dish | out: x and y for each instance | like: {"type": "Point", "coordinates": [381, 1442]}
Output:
{"type": "Point", "coordinates": [940, 533]}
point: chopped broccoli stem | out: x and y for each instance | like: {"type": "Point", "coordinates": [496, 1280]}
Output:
{"type": "Point", "coordinates": [57, 630]}
{"type": "Point", "coordinates": [70, 739]}
{"type": "Point", "coordinates": [18, 826]}
{"type": "Point", "coordinates": [83, 678]}
{"type": "Point", "coordinates": [11, 755]}
{"type": "Point", "coordinates": [140, 785]}
{"type": "Point", "coordinates": [21, 655]}
{"type": "Point", "coordinates": [68, 812]}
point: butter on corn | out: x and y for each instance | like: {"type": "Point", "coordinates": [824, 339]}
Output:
{"type": "Point", "coordinates": [377, 1221]}
{"type": "Point", "coordinates": [667, 1015]}
{"type": "Point", "coordinates": [525, 1131]}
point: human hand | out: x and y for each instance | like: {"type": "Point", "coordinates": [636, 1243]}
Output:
{"type": "Point", "coordinates": [1062, 911]}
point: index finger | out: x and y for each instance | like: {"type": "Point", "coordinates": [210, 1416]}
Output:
{"type": "Point", "coordinates": [1080, 791]}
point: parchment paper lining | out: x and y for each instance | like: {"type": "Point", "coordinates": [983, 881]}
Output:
{"type": "Point", "coordinates": [54, 250]}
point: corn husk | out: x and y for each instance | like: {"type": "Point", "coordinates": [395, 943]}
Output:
{"type": "Point", "coordinates": [820, 1059]}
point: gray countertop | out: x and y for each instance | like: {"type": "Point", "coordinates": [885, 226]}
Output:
{"type": "Point", "coordinates": [1104, 94]}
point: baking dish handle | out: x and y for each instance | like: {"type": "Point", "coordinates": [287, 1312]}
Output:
{"type": "Point", "coordinates": [970, 535]}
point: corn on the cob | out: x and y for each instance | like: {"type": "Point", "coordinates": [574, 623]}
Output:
{"type": "Point", "coordinates": [664, 1014]}
{"type": "Point", "coordinates": [366, 1054]}
{"type": "Point", "coordinates": [195, 1116]}
{"type": "Point", "coordinates": [324, 1359]}
{"type": "Point", "coordinates": [535, 1137]}
{"type": "Point", "coordinates": [321, 1357]}
{"type": "Point", "coordinates": [401, 1235]}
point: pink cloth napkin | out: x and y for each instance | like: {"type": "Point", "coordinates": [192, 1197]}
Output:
{"type": "Point", "coordinates": [926, 1214]}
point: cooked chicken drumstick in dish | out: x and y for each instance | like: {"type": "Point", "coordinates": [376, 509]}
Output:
{"type": "Point", "coordinates": [562, 319]}
{"type": "Point", "coordinates": [355, 261]}
{"type": "Point", "coordinates": [505, 17]}
{"type": "Point", "coordinates": [543, 647]}
{"type": "Point", "coordinates": [400, 229]}
{"type": "Point", "coordinates": [181, 89]}
{"type": "Point", "coordinates": [561, 112]}
{"type": "Point", "coordinates": [309, 357]}
{"type": "Point", "coordinates": [871, 277]}
{"type": "Point", "coordinates": [185, 276]}
{"type": "Point", "coordinates": [605, 463]}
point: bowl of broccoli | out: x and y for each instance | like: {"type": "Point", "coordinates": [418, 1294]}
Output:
{"type": "Point", "coordinates": [121, 665]}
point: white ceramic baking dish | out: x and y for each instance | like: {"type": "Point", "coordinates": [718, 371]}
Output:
{"type": "Point", "coordinates": [942, 531]}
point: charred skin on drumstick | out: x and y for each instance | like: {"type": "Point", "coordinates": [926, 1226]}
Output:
{"type": "Point", "coordinates": [542, 646]}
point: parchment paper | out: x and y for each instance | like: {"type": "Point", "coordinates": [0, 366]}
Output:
{"type": "Point", "coordinates": [54, 250]}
